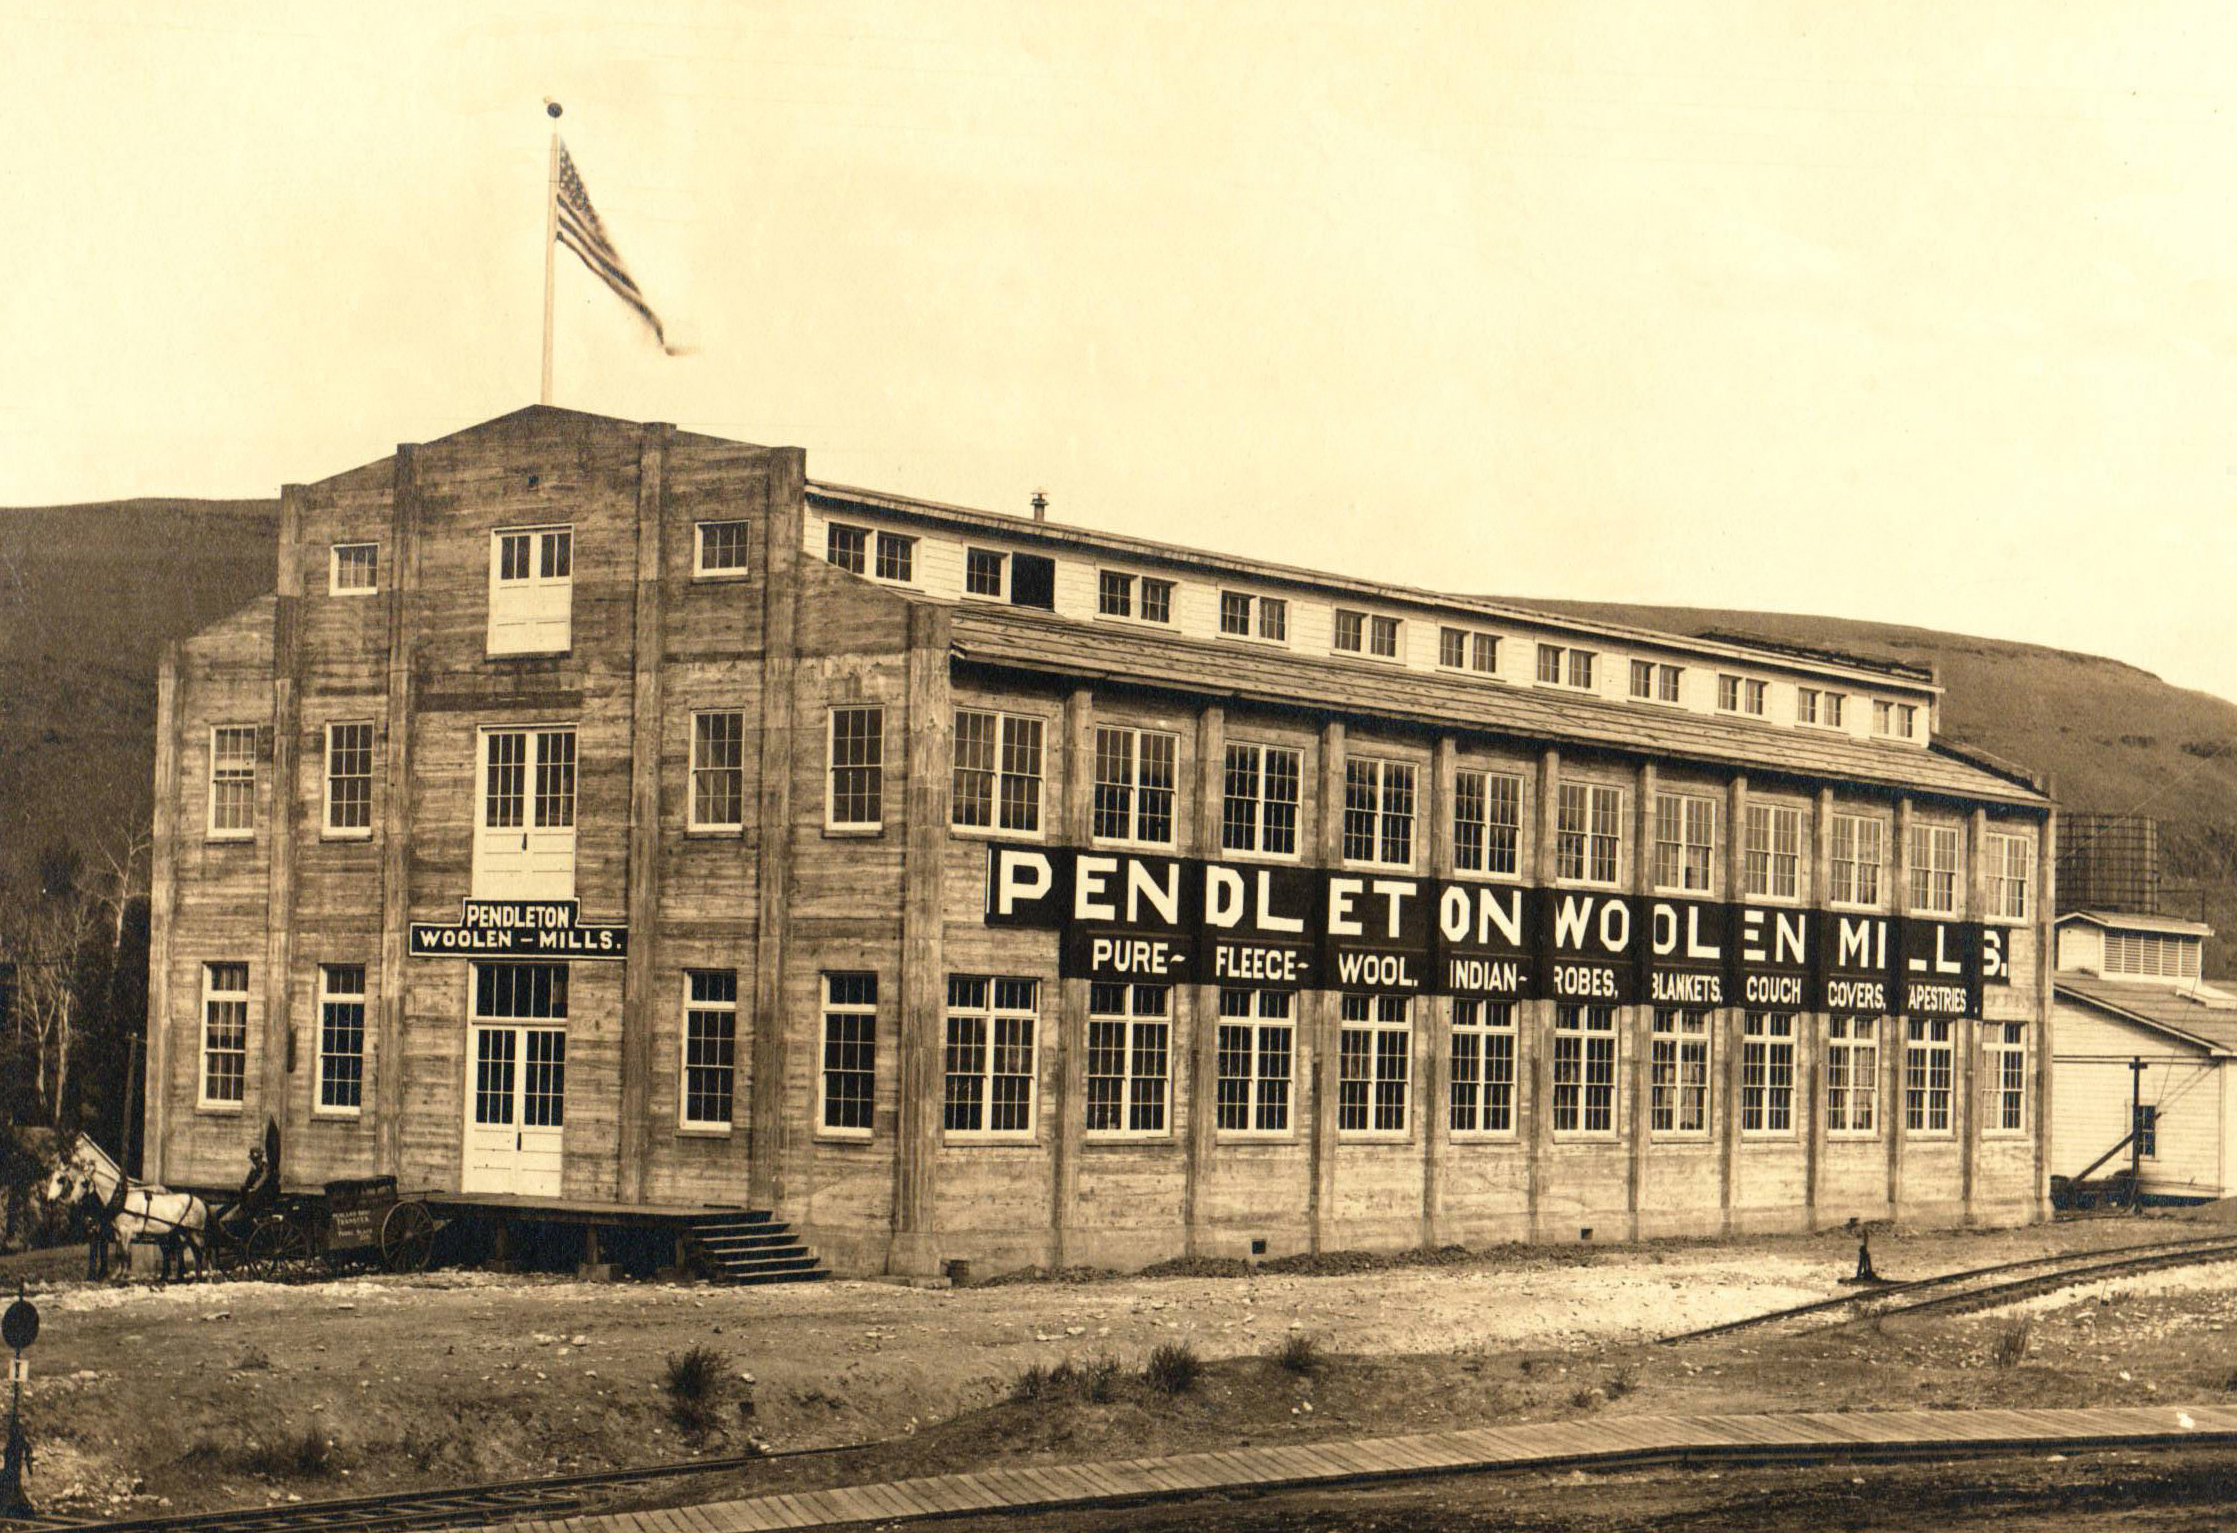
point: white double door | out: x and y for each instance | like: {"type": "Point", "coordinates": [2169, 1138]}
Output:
{"type": "Point", "coordinates": [516, 1110]}
{"type": "Point", "coordinates": [524, 831]}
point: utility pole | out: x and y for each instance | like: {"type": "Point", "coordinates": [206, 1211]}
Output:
{"type": "Point", "coordinates": [2136, 1134]}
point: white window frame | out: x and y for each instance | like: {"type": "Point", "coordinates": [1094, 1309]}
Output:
{"type": "Point", "coordinates": [830, 547]}
{"type": "Point", "coordinates": [328, 830]}
{"type": "Point", "coordinates": [329, 997]}
{"type": "Point", "coordinates": [1886, 715]}
{"type": "Point", "coordinates": [1483, 1023]}
{"type": "Point", "coordinates": [1593, 798]}
{"type": "Point", "coordinates": [334, 586]}
{"type": "Point", "coordinates": [697, 769]}
{"type": "Point", "coordinates": [528, 583]}
{"type": "Point", "coordinates": [1384, 769]}
{"type": "Point", "coordinates": [685, 1122]}
{"type": "Point", "coordinates": [1377, 1023]}
{"type": "Point", "coordinates": [701, 569]}
{"type": "Point", "coordinates": [1263, 1012]}
{"type": "Point", "coordinates": [1921, 1049]}
{"type": "Point", "coordinates": [1926, 869]}
{"type": "Point", "coordinates": [230, 770]}
{"type": "Point", "coordinates": [1768, 1075]}
{"type": "Point", "coordinates": [1372, 625]}
{"type": "Point", "coordinates": [1137, 586]}
{"type": "Point", "coordinates": [992, 1014]}
{"type": "Point", "coordinates": [997, 803]}
{"type": "Point", "coordinates": [1852, 1039]}
{"type": "Point", "coordinates": [1475, 645]}
{"type": "Point", "coordinates": [2004, 1061]}
{"type": "Point", "coordinates": [1685, 814]}
{"type": "Point", "coordinates": [854, 1010]}
{"type": "Point", "coordinates": [1578, 1032]}
{"type": "Point", "coordinates": [1669, 683]}
{"type": "Point", "coordinates": [1818, 708]}
{"type": "Point", "coordinates": [881, 542]}
{"type": "Point", "coordinates": [1510, 794]}
{"type": "Point", "coordinates": [1134, 788]}
{"type": "Point", "coordinates": [1855, 825]}
{"type": "Point", "coordinates": [2002, 850]}
{"type": "Point", "coordinates": [832, 767]}
{"type": "Point", "coordinates": [1001, 591]}
{"type": "Point", "coordinates": [1256, 610]}
{"type": "Point", "coordinates": [1681, 1056]}
{"type": "Point", "coordinates": [1260, 802]}
{"type": "Point", "coordinates": [1138, 1028]}
{"type": "Point", "coordinates": [1573, 668]}
{"type": "Point", "coordinates": [213, 997]}
{"type": "Point", "coordinates": [1777, 876]}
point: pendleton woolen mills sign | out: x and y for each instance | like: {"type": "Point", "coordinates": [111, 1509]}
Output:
{"type": "Point", "coordinates": [1124, 916]}
{"type": "Point", "coordinates": [519, 929]}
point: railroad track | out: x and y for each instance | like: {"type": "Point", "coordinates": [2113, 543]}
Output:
{"type": "Point", "coordinates": [1973, 1288]}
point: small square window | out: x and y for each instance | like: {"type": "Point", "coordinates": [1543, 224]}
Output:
{"type": "Point", "coordinates": [848, 547]}
{"type": "Point", "coordinates": [722, 548]}
{"type": "Point", "coordinates": [982, 573]}
{"type": "Point", "coordinates": [354, 570]}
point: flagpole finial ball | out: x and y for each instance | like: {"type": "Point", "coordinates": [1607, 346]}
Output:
{"type": "Point", "coordinates": [552, 107]}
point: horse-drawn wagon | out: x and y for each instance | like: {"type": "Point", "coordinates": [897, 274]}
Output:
{"type": "Point", "coordinates": [355, 1221]}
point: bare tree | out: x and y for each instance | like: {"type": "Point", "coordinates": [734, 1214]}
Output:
{"type": "Point", "coordinates": [46, 925]}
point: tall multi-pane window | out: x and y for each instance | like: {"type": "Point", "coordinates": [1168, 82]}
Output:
{"type": "Point", "coordinates": [1685, 837]}
{"type": "Point", "coordinates": [1859, 853]}
{"type": "Point", "coordinates": [1767, 1073]}
{"type": "Point", "coordinates": [1134, 786]}
{"type": "Point", "coordinates": [1487, 822]}
{"type": "Point", "coordinates": [1588, 832]}
{"type": "Point", "coordinates": [721, 548]}
{"type": "Point", "coordinates": [225, 1034]}
{"type": "Point", "coordinates": [1584, 1069]}
{"type": "Point", "coordinates": [341, 1037]}
{"type": "Point", "coordinates": [1258, 809]}
{"type": "Point", "coordinates": [1483, 1067]}
{"type": "Point", "coordinates": [897, 557]}
{"type": "Point", "coordinates": [1379, 812]}
{"type": "Point", "coordinates": [1679, 1066]}
{"type": "Point", "coordinates": [232, 781]}
{"type": "Point", "coordinates": [848, 547]}
{"type": "Point", "coordinates": [857, 799]}
{"type": "Point", "coordinates": [1928, 1071]}
{"type": "Point", "coordinates": [710, 1058]}
{"type": "Point", "coordinates": [718, 770]}
{"type": "Point", "coordinates": [1852, 1075]}
{"type": "Point", "coordinates": [349, 779]}
{"type": "Point", "coordinates": [1934, 870]}
{"type": "Point", "coordinates": [2011, 876]}
{"type": "Point", "coordinates": [1129, 1058]}
{"type": "Point", "coordinates": [1374, 1076]}
{"type": "Point", "coordinates": [850, 1052]}
{"type": "Point", "coordinates": [997, 772]}
{"type": "Point", "coordinates": [982, 572]}
{"type": "Point", "coordinates": [2003, 1077]}
{"type": "Point", "coordinates": [1257, 1044]}
{"type": "Point", "coordinates": [990, 1056]}
{"type": "Point", "coordinates": [1774, 861]}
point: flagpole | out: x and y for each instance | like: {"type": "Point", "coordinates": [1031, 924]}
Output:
{"type": "Point", "coordinates": [551, 241]}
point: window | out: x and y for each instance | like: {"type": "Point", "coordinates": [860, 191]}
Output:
{"type": "Point", "coordinates": [1642, 678]}
{"type": "Point", "coordinates": [1934, 869]}
{"type": "Point", "coordinates": [1033, 581]}
{"type": "Point", "coordinates": [710, 1061]}
{"type": "Point", "coordinates": [1114, 594]}
{"type": "Point", "coordinates": [997, 772]}
{"type": "Point", "coordinates": [982, 573]}
{"type": "Point", "coordinates": [1459, 649]}
{"type": "Point", "coordinates": [1812, 706]}
{"type": "Point", "coordinates": [1452, 648]}
{"type": "Point", "coordinates": [1375, 1050]}
{"type": "Point", "coordinates": [1236, 616]}
{"type": "Point", "coordinates": [1129, 1054]}
{"type": "Point", "coordinates": [1685, 836]}
{"type": "Point", "coordinates": [850, 1052]}
{"type": "Point", "coordinates": [1351, 631]}
{"type": "Point", "coordinates": [225, 1034]}
{"type": "Point", "coordinates": [1767, 1073]}
{"type": "Point", "coordinates": [1368, 633]}
{"type": "Point", "coordinates": [232, 782]}
{"type": "Point", "coordinates": [1487, 822]}
{"type": "Point", "coordinates": [1382, 637]}
{"type": "Point", "coordinates": [1895, 720]}
{"type": "Point", "coordinates": [2003, 1078]}
{"type": "Point", "coordinates": [722, 548]}
{"type": "Point", "coordinates": [1588, 832]}
{"type": "Point", "coordinates": [1273, 619]}
{"type": "Point", "coordinates": [1157, 600]}
{"type": "Point", "coordinates": [1858, 856]}
{"type": "Point", "coordinates": [1679, 1065]}
{"type": "Point", "coordinates": [1134, 786]}
{"type": "Point", "coordinates": [847, 547]}
{"type": "Point", "coordinates": [520, 992]}
{"type": "Point", "coordinates": [1737, 694]}
{"type": "Point", "coordinates": [718, 770]}
{"type": "Point", "coordinates": [1565, 667]}
{"type": "Point", "coordinates": [1927, 1075]}
{"type": "Point", "coordinates": [857, 799]}
{"type": "Point", "coordinates": [1483, 1067]}
{"type": "Point", "coordinates": [524, 847]}
{"type": "Point", "coordinates": [1852, 1075]}
{"type": "Point", "coordinates": [1259, 809]}
{"type": "Point", "coordinates": [2151, 956]}
{"type": "Point", "coordinates": [353, 569]}
{"type": "Point", "coordinates": [531, 590]}
{"type": "Point", "coordinates": [1379, 812]}
{"type": "Point", "coordinates": [1831, 709]}
{"type": "Point", "coordinates": [2144, 1124]}
{"type": "Point", "coordinates": [349, 780]}
{"type": "Point", "coordinates": [897, 557]}
{"type": "Point", "coordinates": [2011, 874]}
{"type": "Point", "coordinates": [1654, 683]}
{"type": "Point", "coordinates": [341, 1037]}
{"type": "Point", "coordinates": [1257, 1042]}
{"type": "Point", "coordinates": [1584, 1069]}
{"type": "Point", "coordinates": [990, 1057]}
{"type": "Point", "coordinates": [1774, 851]}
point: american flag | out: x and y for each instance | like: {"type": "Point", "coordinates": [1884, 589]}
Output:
{"type": "Point", "coordinates": [581, 232]}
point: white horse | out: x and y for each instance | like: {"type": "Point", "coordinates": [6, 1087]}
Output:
{"type": "Point", "coordinates": [175, 1221]}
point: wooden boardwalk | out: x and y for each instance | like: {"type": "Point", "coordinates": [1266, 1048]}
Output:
{"type": "Point", "coordinates": [1605, 1441]}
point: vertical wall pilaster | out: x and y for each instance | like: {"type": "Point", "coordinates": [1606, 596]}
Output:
{"type": "Point", "coordinates": [1810, 1046]}
{"type": "Point", "coordinates": [1069, 1069]}
{"type": "Point", "coordinates": [1726, 1065]}
{"type": "Point", "coordinates": [1534, 1021]}
{"type": "Point", "coordinates": [1966, 1089]}
{"type": "Point", "coordinates": [647, 721]}
{"type": "Point", "coordinates": [283, 827]}
{"type": "Point", "coordinates": [2046, 961]}
{"type": "Point", "coordinates": [395, 820]}
{"type": "Point", "coordinates": [1433, 1039]}
{"type": "Point", "coordinates": [1641, 1027]}
{"type": "Point", "coordinates": [927, 747]}
{"type": "Point", "coordinates": [775, 837]}
{"type": "Point", "coordinates": [1201, 1049]}
{"type": "Point", "coordinates": [1321, 1014]}
{"type": "Point", "coordinates": [1899, 903]}
{"type": "Point", "coordinates": [163, 887]}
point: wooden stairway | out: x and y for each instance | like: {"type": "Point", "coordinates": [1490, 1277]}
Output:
{"type": "Point", "coordinates": [746, 1246]}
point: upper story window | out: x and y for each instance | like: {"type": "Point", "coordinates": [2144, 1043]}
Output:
{"type": "Point", "coordinates": [718, 770]}
{"type": "Point", "coordinates": [992, 1057]}
{"type": "Point", "coordinates": [1588, 833]}
{"type": "Point", "coordinates": [1739, 694]}
{"type": "Point", "coordinates": [897, 558]}
{"type": "Point", "coordinates": [1116, 596]}
{"type": "Point", "coordinates": [349, 779]}
{"type": "Point", "coordinates": [1129, 1058]}
{"type": "Point", "coordinates": [1134, 770]}
{"type": "Point", "coordinates": [857, 793]}
{"type": "Point", "coordinates": [1033, 581]}
{"type": "Point", "coordinates": [1244, 616]}
{"type": "Point", "coordinates": [531, 590]}
{"type": "Point", "coordinates": [1934, 869]}
{"type": "Point", "coordinates": [985, 573]}
{"type": "Point", "coordinates": [1812, 706]}
{"type": "Point", "coordinates": [1652, 682]}
{"type": "Point", "coordinates": [997, 772]}
{"type": "Point", "coordinates": [1379, 812]}
{"type": "Point", "coordinates": [1859, 853]}
{"type": "Point", "coordinates": [524, 840]}
{"type": "Point", "coordinates": [1259, 808]}
{"type": "Point", "coordinates": [2151, 956]}
{"type": "Point", "coordinates": [1774, 851]}
{"type": "Point", "coordinates": [1685, 837]}
{"type": "Point", "coordinates": [1487, 822]}
{"type": "Point", "coordinates": [1896, 721]}
{"type": "Point", "coordinates": [225, 1035]}
{"type": "Point", "coordinates": [232, 782]}
{"type": "Point", "coordinates": [1367, 633]}
{"type": "Point", "coordinates": [847, 547]}
{"type": "Point", "coordinates": [1459, 649]}
{"type": "Point", "coordinates": [720, 548]}
{"type": "Point", "coordinates": [353, 569]}
{"type": "Point", "coordinates": [2011, 876]}
{"type": "Point", "coordinates": [1561, 667]}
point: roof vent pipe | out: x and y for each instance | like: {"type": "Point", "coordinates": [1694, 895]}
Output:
{"type": "Point", "coordinates": [1040, 506]}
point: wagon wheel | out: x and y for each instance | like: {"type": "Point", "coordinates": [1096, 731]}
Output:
{"type": "Point", "coordinates": [224, 1253]}
{"type": "Point", "coordinates": [274, 1247]}
{"type": "Point", "coordinates": [407, 1237]}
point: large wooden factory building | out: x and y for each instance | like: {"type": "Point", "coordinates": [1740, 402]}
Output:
{"type": "Point", "coordinates": [605, 815]}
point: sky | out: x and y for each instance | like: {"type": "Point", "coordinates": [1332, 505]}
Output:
{"type": "Point", "coordinates": [1912, 312]}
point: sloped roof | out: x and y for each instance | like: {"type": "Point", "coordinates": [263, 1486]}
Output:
{"type": "Point", "coordinates": [2178, 1011]}
{"type": "Point", "coordinates": [2116, 921]}
{"type": "Point", "coordinates": [1010, 636]}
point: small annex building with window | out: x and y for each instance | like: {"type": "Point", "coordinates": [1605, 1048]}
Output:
{"type": "Point", "coordinates": [604, 813]}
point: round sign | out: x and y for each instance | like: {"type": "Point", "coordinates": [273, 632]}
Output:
{"type": "Point", "coordinates": [19, 1326]}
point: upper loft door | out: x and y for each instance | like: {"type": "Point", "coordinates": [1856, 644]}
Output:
{"type": "Point", "coordinates": [524, 840]}
{"type": "Point", "coordinates": [531, 590]}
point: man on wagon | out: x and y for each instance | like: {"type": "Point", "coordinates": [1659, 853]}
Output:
{"type": "Point", "coordinates": [258, 1190]}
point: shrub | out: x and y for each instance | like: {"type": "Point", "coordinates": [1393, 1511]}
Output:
{"type": "Point", "coordinates": [1099, 1379]}
{"type": "Point", "coordinates": [308, 1456]}
{"type": "Point", "coordinates": [693, 1380]}
{"type": "Point", "coordinates": [1030, 1385]}
{"type": "Point", "coordinates": [1094, 1380]}
{"type": "Point", "coordinates": [2012, 1344]}
{"type": "Point", "coordinates": [1173, 1368]}
{"type": "Point", "coordinates": [1300, 1354]}
{"type": "Point", "coordinates": [1622, 1382]}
